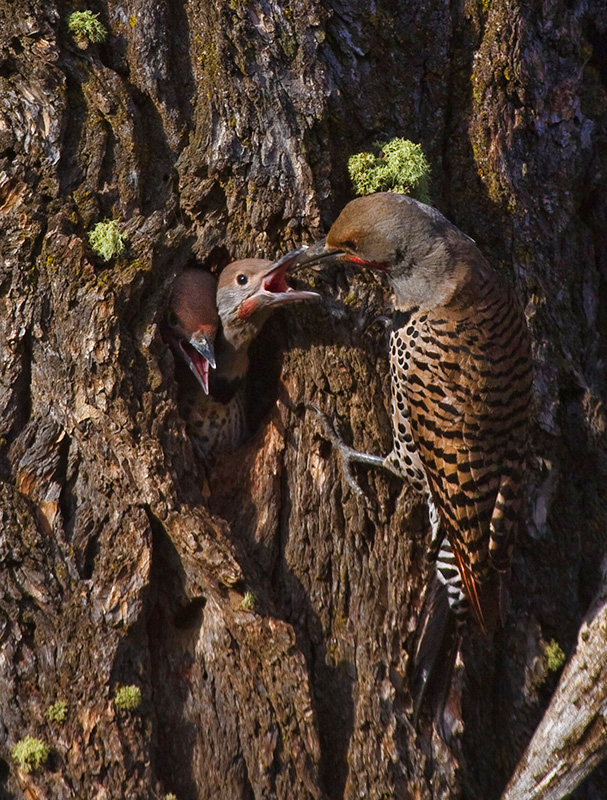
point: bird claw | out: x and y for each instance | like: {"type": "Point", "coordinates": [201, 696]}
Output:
{"type": "Point", "coordinates": [383, 319]}
{"type": "Point", "coordinates": [367, 317]}
{"type": "Point", "coordinates": [348, 454]}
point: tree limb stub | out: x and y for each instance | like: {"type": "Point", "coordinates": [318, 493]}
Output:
{"type": "Point", "coordinates": [571, 740]}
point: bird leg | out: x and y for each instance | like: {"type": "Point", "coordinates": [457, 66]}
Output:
{"type": "Point", "coordinates": [348, 454]}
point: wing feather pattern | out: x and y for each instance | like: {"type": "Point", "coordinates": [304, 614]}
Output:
{"type": "Point", "coordinates": [468, 417]}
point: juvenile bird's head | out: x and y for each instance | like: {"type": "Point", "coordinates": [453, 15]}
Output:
{"type": "Point", "coordinates": [192, 321]}
{"type": "Point", "coordinates": [247, 293]}
{"type": "Point", "coordinates": [412, 243]}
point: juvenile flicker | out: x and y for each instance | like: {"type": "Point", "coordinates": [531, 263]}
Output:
{"type": "Point", "coordinates": [192, 322]}
{"type": "Point", "coordinates": [461, 381]}
{"type": "Point", "coordinates": [247, 293]}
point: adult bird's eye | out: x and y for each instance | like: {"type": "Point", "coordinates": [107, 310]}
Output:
{"type": "Point", "coordinates": [173, 319]}
{"type": "Point", "coordinates": [242, 279]}
{"type": "Point", "coordinates": [350, 244]}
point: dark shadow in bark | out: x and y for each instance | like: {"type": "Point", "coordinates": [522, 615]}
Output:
{"type": "Point", "coordinates": [4, 776]}
{"type": "Point", "coordinates": [20, 405]}
{"type": "Point", "coordinates": [69, 172]}
{"type": "Point", "coordinates": [171, 618]}
{"type": "Point", "coordinates": [154, 154]}
{"type": "Point", "coordinates": [333, 689]}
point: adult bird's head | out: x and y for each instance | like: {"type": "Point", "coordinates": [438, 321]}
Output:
{"type": "Point", "coordinates": [412, 243]}
{"type": "Point", "coordinates": [247, 293]}
{"type": "Point", "coordinates": [192, 321]}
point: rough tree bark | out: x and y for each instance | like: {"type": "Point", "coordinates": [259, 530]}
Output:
{"type": "Point", "coordinates": [212, 130]}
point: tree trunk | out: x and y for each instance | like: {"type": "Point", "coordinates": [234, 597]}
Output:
{"type": "Point", "coordinates": [216, 130]}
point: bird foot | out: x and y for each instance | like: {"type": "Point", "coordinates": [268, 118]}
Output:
{"type": "Point", "coordinates": [383, 320]}
{"type": "Point", "coordinates": [348, 454]}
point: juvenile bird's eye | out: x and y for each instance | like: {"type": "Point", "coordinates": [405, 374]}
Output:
{"type": "Point", "coordinates": [173, 319]}
{"type": "Point", "coordinates": [350, 244]}
{"type": "Point", "coordinates": [242, 279]}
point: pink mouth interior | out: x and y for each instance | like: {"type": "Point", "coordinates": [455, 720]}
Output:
{"type": "Point", "coordinates": [276, 283]}
{"type": "Point", "coordinates": [198, 364]}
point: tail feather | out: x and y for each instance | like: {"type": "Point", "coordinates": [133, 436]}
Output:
{"type": "Point", "coordinates": [435, 651]}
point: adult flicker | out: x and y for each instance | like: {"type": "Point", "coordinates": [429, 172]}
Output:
{"type": "Point", "coordinates": [247, 293]}
{"type": "Point", "coordinates": [461, 384]}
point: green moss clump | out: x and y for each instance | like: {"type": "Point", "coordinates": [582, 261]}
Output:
{"type": "Point", "coordinates": [248, 601]}
{"type": "Point", "coordinates": [30, 753]}
{"type": "Point", "coordinates": [57, 712]}
{"type": "Point", "coordinates": [86, 25]}
{"type": "Point", "coordinates": [106, 240]}
{"type": "Point", "coordinates": [170, 796]}
{"type": "Point", "coordinates": [401, 167]}
{"type": "Point", "coordinates": [127, 698]}
{"type": "Point", "coordinates": [555, 657]}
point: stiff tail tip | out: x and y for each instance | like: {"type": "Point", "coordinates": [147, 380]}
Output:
{"type": "Point", "coordinates": [437, 645]}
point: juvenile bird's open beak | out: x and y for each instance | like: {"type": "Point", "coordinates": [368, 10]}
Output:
{"type": "Point", "coordinates": [274, 289]}
{"type": "Point", "coordinates": [200, 356]}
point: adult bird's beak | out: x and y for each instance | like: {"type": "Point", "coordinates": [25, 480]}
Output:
{"type": "Point", "coordinates": [314, 254]}
{"type": "Point", "coordinates": [319, 252]}
{"type": "Point", "coordinates": [200, 356]}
